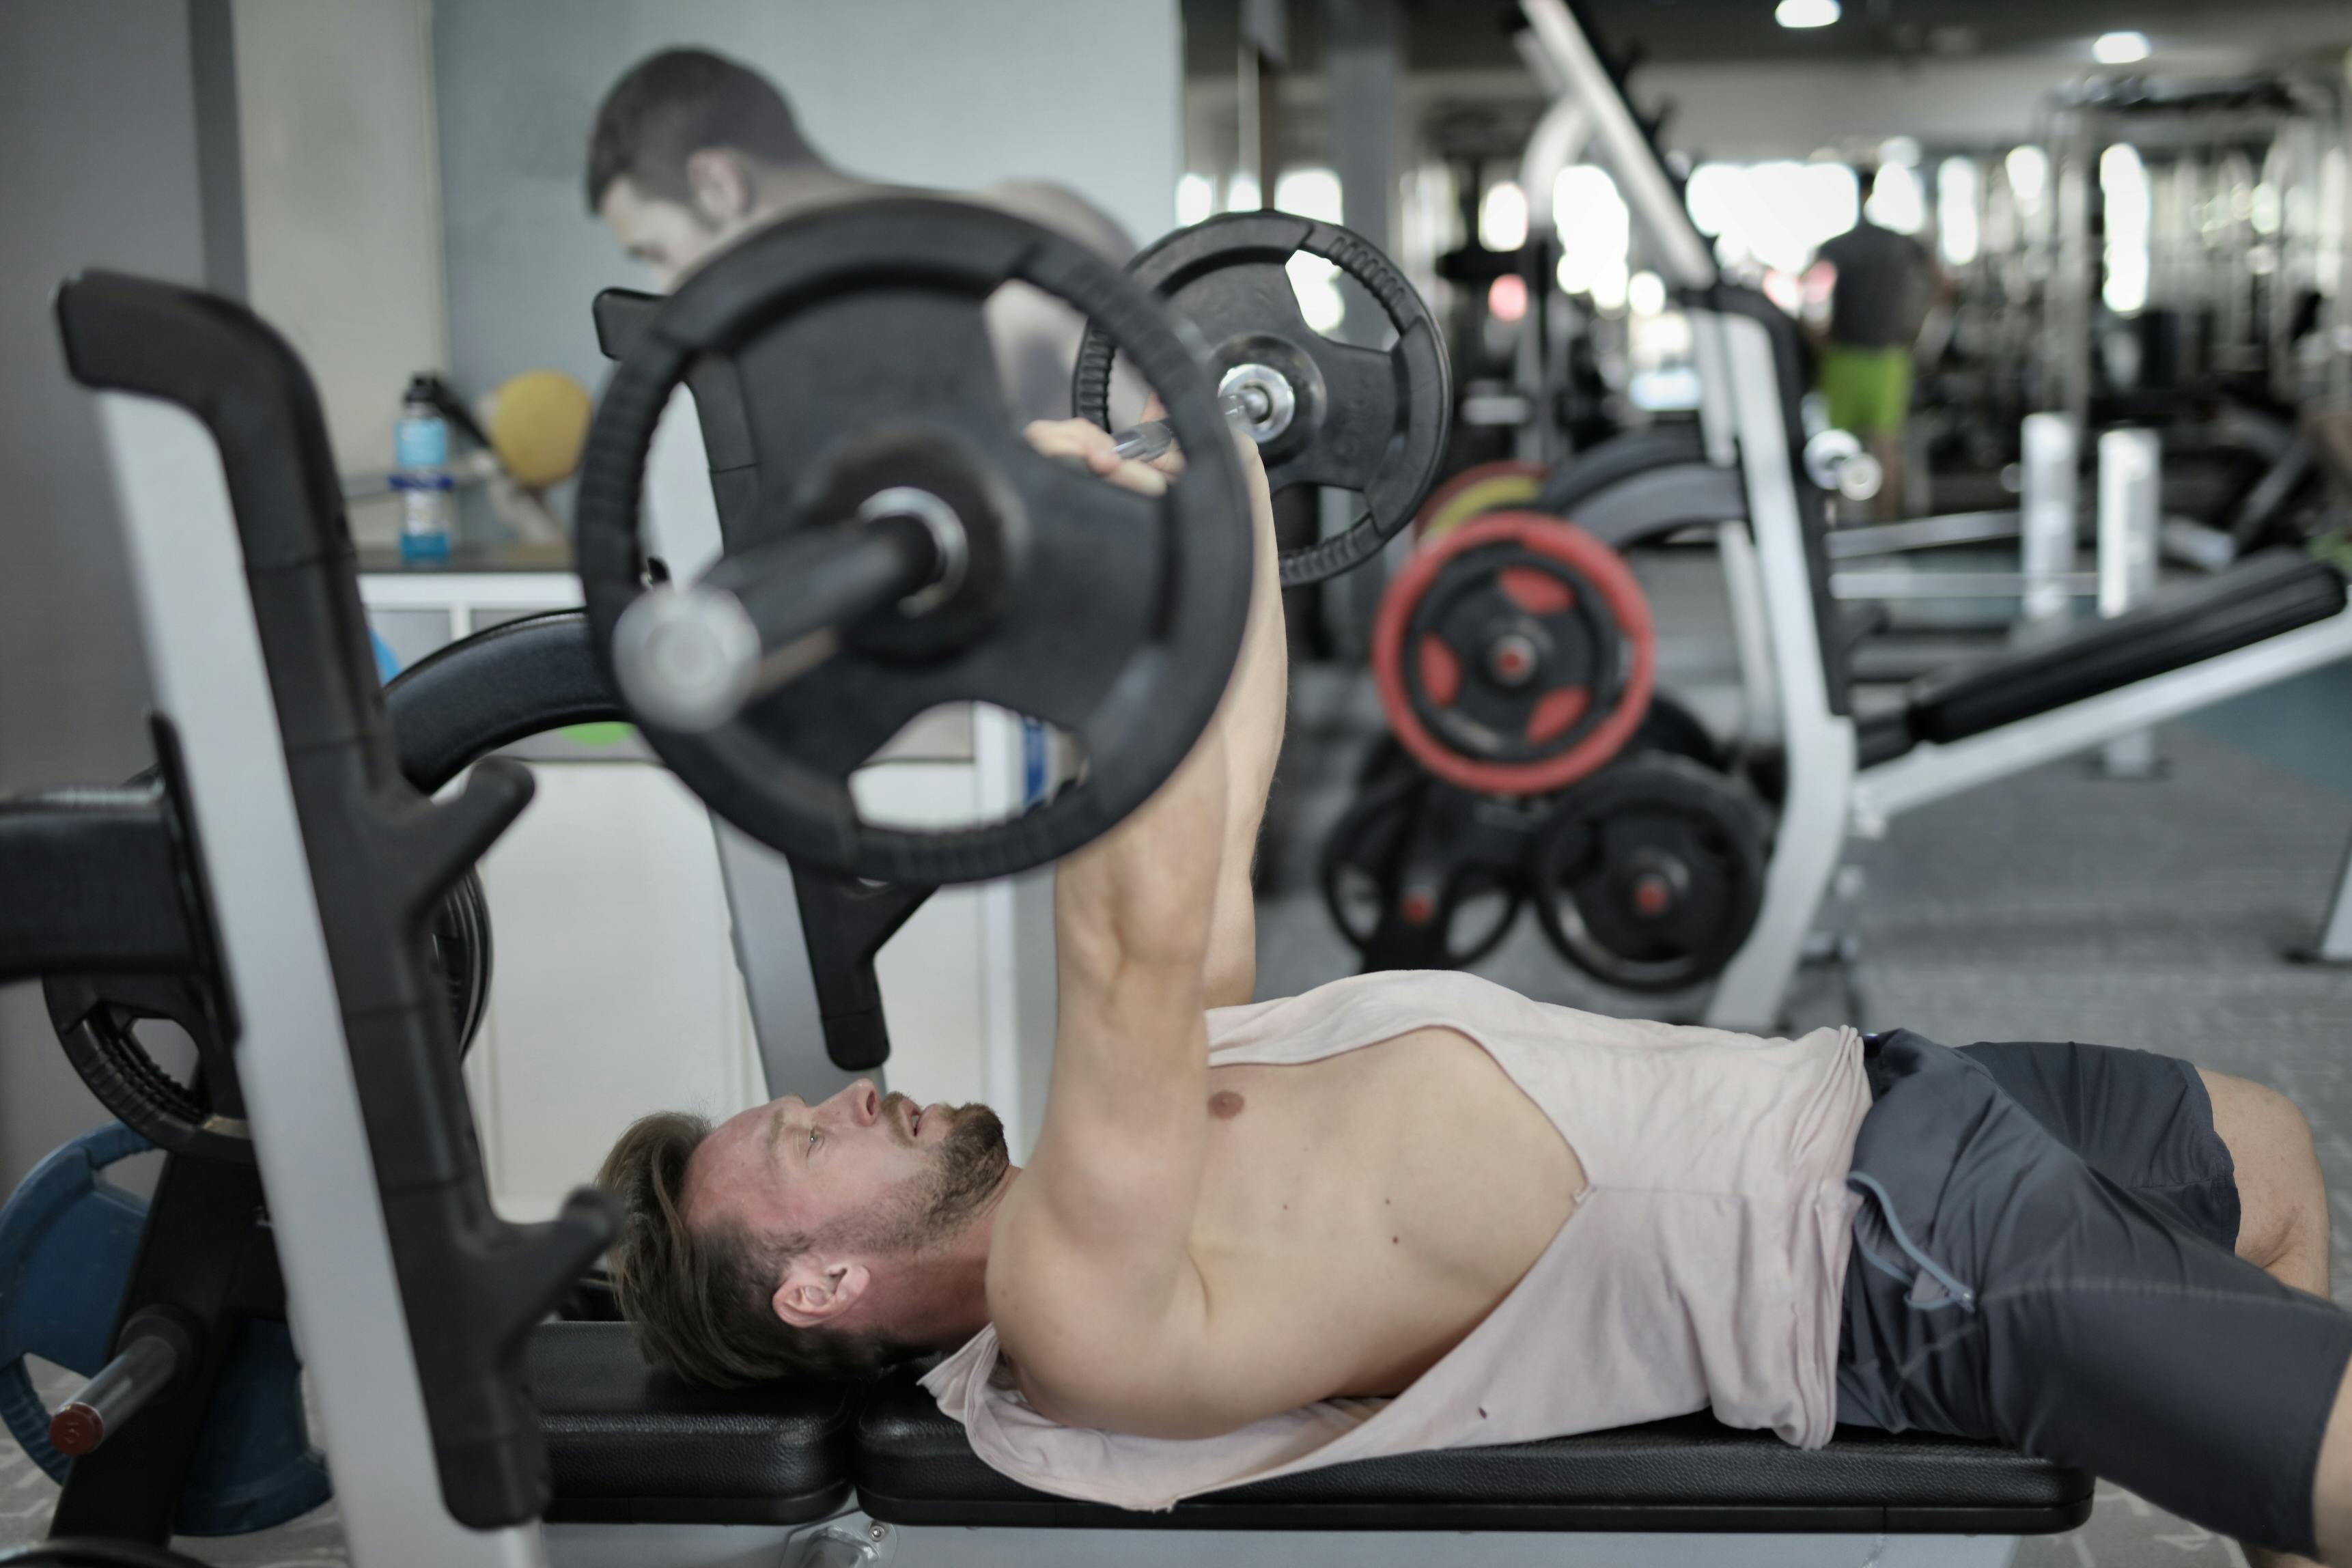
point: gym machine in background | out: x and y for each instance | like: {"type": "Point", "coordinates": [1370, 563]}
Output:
{"type": "Point", "coordinates": [1830, 776]}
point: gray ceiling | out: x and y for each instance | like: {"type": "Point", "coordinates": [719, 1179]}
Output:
{"type": "Point", "coordinates": [1451, 35]}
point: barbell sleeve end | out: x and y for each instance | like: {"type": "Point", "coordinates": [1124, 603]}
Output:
{"type": "Point", "coordinates": [685, 658]}
{"type": "Point", "coordinates": [142, 1369]}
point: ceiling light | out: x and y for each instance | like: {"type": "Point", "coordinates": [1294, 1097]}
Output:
{"type": "Point", "coordinates": [2119, 48]}
{"type": "Point", "coordinates": [1806, 13]}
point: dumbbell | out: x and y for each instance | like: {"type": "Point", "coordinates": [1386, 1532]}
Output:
{"type": "Point", "coordinates": [1836, 462]}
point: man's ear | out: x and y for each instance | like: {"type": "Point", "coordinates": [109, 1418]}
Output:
{"type": "Point", "coordinates": [817, 1291]}
{"type": "Point", "coordinates": [721, 186]}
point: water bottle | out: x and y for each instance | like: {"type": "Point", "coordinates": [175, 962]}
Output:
{"type": "Point", "coordinates": [420, 472]}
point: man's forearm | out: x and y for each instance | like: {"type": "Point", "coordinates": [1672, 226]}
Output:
{"type": "Point", "coordinates": [1260, 697]}
{"type": "Point", "coordinates": [1253, 721]}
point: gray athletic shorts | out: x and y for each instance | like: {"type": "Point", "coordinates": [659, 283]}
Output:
{"type": "Point", "coordinates": [2043, 1258]}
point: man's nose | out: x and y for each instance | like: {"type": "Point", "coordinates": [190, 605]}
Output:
{"type": "Point", "coordinates": [861, 1102]}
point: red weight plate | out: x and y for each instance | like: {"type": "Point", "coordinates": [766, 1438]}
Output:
{"type": "Point", "coordinates": [1598, 565]}
{"type": "Point", "coordinates": [1441, 672]}
{"type": "Point", "coordinates": [1557, 710]}
{"type": "Point", "coordinates": [1533, 592]}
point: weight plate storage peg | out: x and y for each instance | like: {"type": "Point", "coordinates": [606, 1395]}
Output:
{"type": "Point", "coordinates": [910, 549]}
{"type": "Point", "coordinates": [98, 1018]}
{"type": "Point", "coordinates": [1650, 874]}
{"type": "Point", "coordinates": [1322, 412]}
{"type": "Point", "coordinates": [68, 1241]}
{"type": "Point", "coordinates": [1515, 656]}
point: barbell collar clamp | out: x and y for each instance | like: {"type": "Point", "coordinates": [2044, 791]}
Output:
{"type": "Point", "coordinates": [950, 549]}
{"type": "Point", "coordinates": [1259, 399]}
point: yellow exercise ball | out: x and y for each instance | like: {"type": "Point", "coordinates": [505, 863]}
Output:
{"type": "Point", "coordinates": [539, 422]}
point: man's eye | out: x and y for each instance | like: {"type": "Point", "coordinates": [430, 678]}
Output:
{"type": "Point", "coordinates": [812, 1138]}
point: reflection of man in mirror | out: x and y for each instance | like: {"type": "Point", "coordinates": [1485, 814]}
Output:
{"type": "Point", "coordinates": [692, 150]}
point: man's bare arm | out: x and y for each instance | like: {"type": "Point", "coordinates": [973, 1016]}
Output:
{"type": "Point", "coordinates": [1251, 719]}
{"type": "Point", "coordinates": [1089, 1255]}
{"type": "Point", "coordinates": [1091, 1250]}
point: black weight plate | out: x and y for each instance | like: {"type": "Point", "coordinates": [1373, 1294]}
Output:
{"type": "Point", "coordinates": [859, 336]}
{"type": "Point", "coordinates": [1409, 837]}
{"type": "Point", "coordinates": [1651, 873]}
{"type": "Point", "coordinates": [1673, 728]}
{"type": "Point", "coordinates": [1370, 420]}
{"type": "Point", "coordinates": [442, 726]}
{"type": "Point", "coordinates": [460, 939]}
{"type": "Point", "coordinates": [96, 1018]}
{"type": "Point", "coordinates": [1358, 866]}
{"type": "Point", "coordinates": [1385, 760]}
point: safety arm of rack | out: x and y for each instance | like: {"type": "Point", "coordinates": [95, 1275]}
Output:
{"type": "Point", "coordinates": [470, 1282]}
{"type": "Point", "coordinates": [93, 884]}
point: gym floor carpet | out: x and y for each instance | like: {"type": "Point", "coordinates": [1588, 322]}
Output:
{"type": "Point", "coordinates": [2055, 905]}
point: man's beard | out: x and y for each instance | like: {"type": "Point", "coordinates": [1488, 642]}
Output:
{"type": "Point", "coordinates": [966, 1168]}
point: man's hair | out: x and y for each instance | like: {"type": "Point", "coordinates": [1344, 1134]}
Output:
{"type": "Point", "coordinates": [1865, 180]}
{"type": "Point", "coordinates": [701, 1300]}
{"type": "Point", "coordinates": [675, 104]}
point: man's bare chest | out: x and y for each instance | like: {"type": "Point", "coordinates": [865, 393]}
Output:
{"type": "Point", "coordinates": [1365, 1211]}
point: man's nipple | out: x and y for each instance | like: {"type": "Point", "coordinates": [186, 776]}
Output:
{"type": "Point", "coordinates": [1225, 1103]}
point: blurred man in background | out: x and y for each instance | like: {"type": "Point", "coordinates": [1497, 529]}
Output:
{"type": "Point", "coordinates": [1883, 285]}
{"type": "Point", "coordinates": [692, 150]}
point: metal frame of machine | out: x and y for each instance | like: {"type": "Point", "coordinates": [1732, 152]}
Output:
{"type": "Point", "coordinates": [1747, 423]}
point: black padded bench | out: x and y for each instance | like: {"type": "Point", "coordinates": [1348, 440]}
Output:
{"type": "Point", "coordinates": [2258, 598]}
{"type": "Point", "coordinates": [632, 1446]}
{"type": "Point", "coordinates": [912, 1466]}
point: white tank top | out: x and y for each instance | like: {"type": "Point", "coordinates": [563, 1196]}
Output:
{"type": "Point", "coordinates": [1701, 1269]}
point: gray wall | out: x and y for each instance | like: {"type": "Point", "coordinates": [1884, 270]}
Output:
{"type": "Point", "coordinates": [954, 93]}
{"type": "Point", "coordinates": [98, 106]}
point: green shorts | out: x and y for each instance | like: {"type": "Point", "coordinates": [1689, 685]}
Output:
{"type": "Point", "coordinates": [1869, 390]}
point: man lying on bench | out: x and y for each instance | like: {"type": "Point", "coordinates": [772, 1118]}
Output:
{"type": "Point", "coordinates": [1416, 1210]}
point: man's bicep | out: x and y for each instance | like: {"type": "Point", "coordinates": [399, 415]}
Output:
{"type": "Point", "coordinates": [1093, 1329]}
{"type": "Point", "coordinates": [1126, 1119]}
{"type": "Point", "coordinates": [1103, 1213]}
